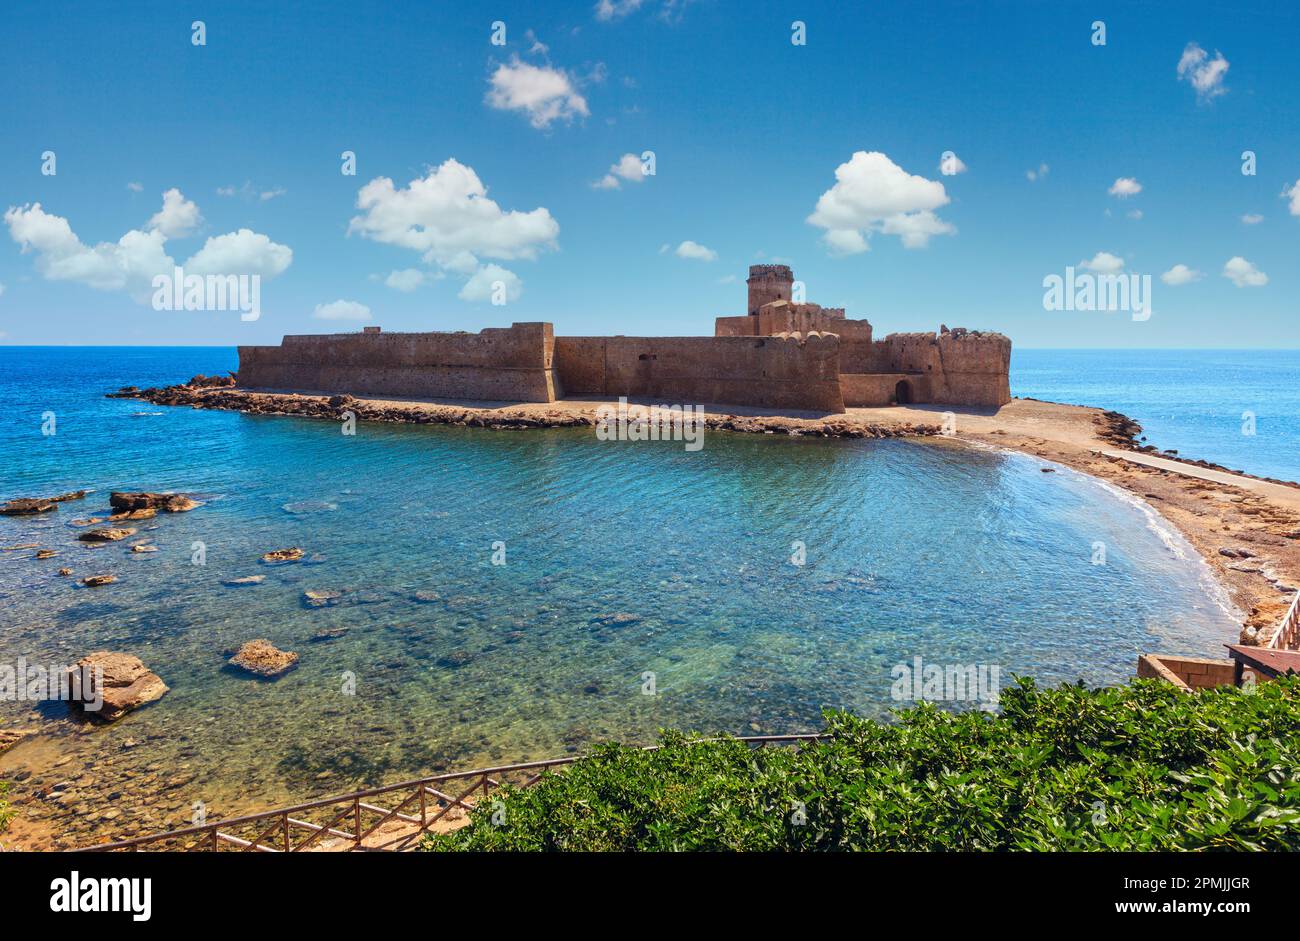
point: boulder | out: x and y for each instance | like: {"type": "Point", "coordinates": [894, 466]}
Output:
{"type": "Point", "coordinates": [65, 572]}
{"type": "Point", "coordinates": [46, 554]}
{"type": "Point", "coordinates": [127, 684]}
{"type": "Point", "coordinates": [106, 535]}
{"type": "Point", "coordinates": [146, 513]}
{"type": "Point", "coordinates": [169, 502]}
{"type": "Point", "coordinates": [94, 581]}
{"type": "Point", "coordinates": [28, 506]}
{"type": "Point", "coordinates": [292, 554]}
{"type": "Point", "coordinates": [262, 658]}
{"type": "Point", "coordinates": [144, 548]}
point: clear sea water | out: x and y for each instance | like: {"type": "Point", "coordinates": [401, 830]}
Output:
{"type": "Point", "coordinates": [1193, 401]}
{"type": "Point", "coordinates": [956, 555]}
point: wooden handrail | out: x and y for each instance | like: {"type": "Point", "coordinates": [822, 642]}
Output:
{"type": "Point", "coordinates": [210, 836]}
{"type": "Point", "coordinates": [1287, 635]}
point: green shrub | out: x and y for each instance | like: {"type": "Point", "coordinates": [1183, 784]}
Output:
{"type": "Point", "coordinates": [6, 811]}
{"type": "Point", "coordinates": [1139, 767]}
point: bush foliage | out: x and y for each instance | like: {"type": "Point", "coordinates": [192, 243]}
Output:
{"type": "Point", "coordinates": [1139, 767]}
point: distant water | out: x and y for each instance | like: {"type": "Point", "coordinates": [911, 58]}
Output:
{"type": "Point", "coordinates": [1192, 401]}
{"type": "Point", "coordinates": [912, 549]}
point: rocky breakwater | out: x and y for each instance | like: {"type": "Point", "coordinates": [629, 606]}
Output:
{"type": "Point", "coordinates": [537, 415]}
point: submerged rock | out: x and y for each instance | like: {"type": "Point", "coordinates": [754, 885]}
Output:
{"type": "Point", "coordinates": [292, 554]}
{"type": "Point", "coordinates": [127, 684]}
{"type": "Point", "coordinates": [333, 633]}
{"type": "Point", "coordinates": [94, 581]}
{"type": "Point", "coordinates": [425, 597]}
{"type": "Point", "coordinates": [262, 658]}
{"type": "Point", "coordinates": [144, 548]}
{"type": "Point", "coordinates": [320, 598]}
{"type": "Point", "coordinates": [46, 554]}
{"type": "Point", "coordinates": [457, 658]}
{"type": "Point", "coordinates": [619, 619]}
{"type": "Point", "coordinates": [106, 535]}
{"type": "Point", "coordinates": [11, 737]}
{"type": "Point", "coordinates": [244, 580]}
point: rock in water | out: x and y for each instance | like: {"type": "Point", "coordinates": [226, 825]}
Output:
{"type": "Point", "coordinates": [106, 535]}
{"type": "Point", "coordinates": [46, 554]}
{"type": "Point", "coordinates": [170, 502]}
{"type": "Point", "coordinates": [262, 658]}
{"type": "Point", "coordinates": [94, 581]}
{"type": "Point", "coordinates": [126, 684]}
{"type": "Point", "coordinates": [11, 737]}
{"type": "Point", "coordinates": [28, 506]}
{"type": "Point", "coordinates": [292, 554]}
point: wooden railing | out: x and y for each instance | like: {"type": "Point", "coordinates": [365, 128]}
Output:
{"type": "Point", "coordinates": [1287, 635]}
{"type": "Point", "coordinates": [391, 818]}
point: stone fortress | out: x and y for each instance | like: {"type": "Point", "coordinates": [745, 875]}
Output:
{"type": "Point", "coordinates": [780, 355]}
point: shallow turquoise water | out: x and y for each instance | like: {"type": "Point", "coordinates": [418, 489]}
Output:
{"type": "Point", "coordinates": [912, 549]}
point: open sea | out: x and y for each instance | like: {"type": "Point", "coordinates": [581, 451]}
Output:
{"type": "Point", "coordinates": [643, 586]}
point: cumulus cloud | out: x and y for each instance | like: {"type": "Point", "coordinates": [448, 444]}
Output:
{"type": "Point", "coordinates": [1244, 274]}
{"type": "Point", "coordinates": [874, 194]}
{"type": "Point", "coordinates": [1179, 275]}
{"type": "Point", "coordinates": [448, 217]}
{"type": "Point", "coordinates": [406, 280]}
{"type": "Point", "coordinates": [544, 93]}
{"type": "Point", "coordinates": [950, 164]}
{"type": "Point", "coordinates": [628, 168]}
{"type": "Point", "coordinates": [1253, 218]}
{"type": "Point", "coordinates": [1201, 72]}
{"type": "Point", "coordinates": [178, 216]}
{"type": "Point", "coordinates": [1103, 263]}
{"type": "Point", "coordinates": [695, 250]}
{"type": "Point", "coordinates": [130, 263]}
{"type": "Point", "coordinates": [341, 310]}
{"type": "Point", "coordinates": [1293, 194]}
{"type": "Point", "coordinates": [1125, 187]}
{"type": "Point", "coordinates": [491, 282]}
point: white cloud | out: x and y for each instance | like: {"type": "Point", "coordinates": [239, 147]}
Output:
{"type": "Point", "coordinates": [2, 290]}
{"type": "Point", "coordinates": [1179, 275]}
{"type": "Point", "coordinates": [178, 216]}
{"type": "Point", "coordinates": [1125, 187]}
{"type": "Point", "coordinates": [242, 252]}
{"type": "Point", "coordinates": [1035, 175]}
{"type": "Point", "coordinates": [135, 187]}
{"type": "Point", "coordinates": [1134, 213]}
{"type": "Point", "coordinates": [951, 164]}
{"type": "Point", "coordinates": [544, 93]}
{"type": "Point", "coordinates": [872, 193]}
{"type": "Point", "coordinates": [406, 280]}
{"type": "Point", "coordinates": [1104, 263]}
{"type": "Point", "coordinates": [484, 283]}
{"type": "Point", "coordinates": [448, 217]}
{"type": "Point", "coordinates": [1244, 274]}
{"type": "Point", "coordinates": [1294, 195]}
{"type": "Point", "coordinates": [1201, 72]}
{"type": "Point", "coordinates": [695, 250]}
{"type": "Point", "coordinates": [130, 263]}
{"type": "Point", "coordinates": [341, 310]}
{"type": "Point", "coordinates": [1252, 218]}
{"type": "Point", "coordinates": [249, 191]}
{"type": "Point", "coordinates": [607, 10]}
{"type": "Point", "coordinates": [628, 167]}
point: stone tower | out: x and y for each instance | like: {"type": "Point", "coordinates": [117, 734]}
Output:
{"type": "Point", "coordinates": [768, 283]}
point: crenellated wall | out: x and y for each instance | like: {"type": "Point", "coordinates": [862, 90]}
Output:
{"type": "Point", "coordinates": [961, 367]}
{"type": "Point", "coordinates": [777, 372]}
{"type": "Point", "coordinates": [497, 364]}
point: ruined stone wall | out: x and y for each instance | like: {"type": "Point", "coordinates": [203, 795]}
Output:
{"type": "Point", "coordinates": [962, 368]}
{"type": "Point", "coordinates": [777, 372]}
{"type": "Point", "coordinates": [878, 389]}
{"type": "Point", "coordinates": [496, 364]}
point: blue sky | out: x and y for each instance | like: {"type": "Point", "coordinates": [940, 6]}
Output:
{"type": "Point", "coordinates": [747, 129]}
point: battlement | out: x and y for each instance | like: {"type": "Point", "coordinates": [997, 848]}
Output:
{"type": "Point", "coordinates": [780, 271]}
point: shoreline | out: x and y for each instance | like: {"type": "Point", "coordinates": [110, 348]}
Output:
{"type": "Point", "coordinates": [1246, 528]}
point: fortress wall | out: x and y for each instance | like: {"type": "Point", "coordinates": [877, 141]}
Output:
{"type": "Point", "coordinates": [777, 372]}
{"type": "Point", "coordinates": [743, 326]}
{"type": "Point", "coordinates": [878, 389]}
{"type": "Point", "coordinates": [497, 364]}
{"type": "Point", "coordinates": [961, 368]}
